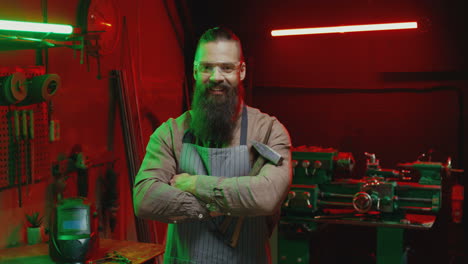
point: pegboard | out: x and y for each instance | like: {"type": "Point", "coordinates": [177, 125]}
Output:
{"type": "Point", "coordinates": [24, 154]}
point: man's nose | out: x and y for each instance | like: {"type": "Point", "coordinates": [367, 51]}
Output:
{"type": "Point", "coordinates": [216, 75]}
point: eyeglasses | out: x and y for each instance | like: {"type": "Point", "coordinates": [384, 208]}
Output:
{"type": "Point", "coordinates": [224, 67]}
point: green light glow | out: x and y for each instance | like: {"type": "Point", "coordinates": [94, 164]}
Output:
{"type": "Point", "coordinates": [35, 27]}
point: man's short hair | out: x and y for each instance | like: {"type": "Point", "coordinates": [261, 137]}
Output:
{"type": "Point", "coordinates": [220, 33]}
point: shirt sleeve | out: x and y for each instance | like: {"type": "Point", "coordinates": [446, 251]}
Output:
{"type": "Point", "coordinates": [251, 195]}
{"type": "Point", "coordinates": [153, 197]}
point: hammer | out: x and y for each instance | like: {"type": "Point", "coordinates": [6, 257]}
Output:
{"type": "Point", "coordinates": [266, 153]}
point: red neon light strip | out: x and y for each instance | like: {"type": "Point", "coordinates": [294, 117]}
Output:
{"type": "Point", "coordinates": [343, 29]}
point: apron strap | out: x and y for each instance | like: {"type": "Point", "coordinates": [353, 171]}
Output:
{"type": "Point", "coordinates": [244, 125]}
{"type": "Point", "coordinates": [189, 137]}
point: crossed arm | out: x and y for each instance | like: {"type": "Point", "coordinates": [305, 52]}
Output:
{"type": "Point", "coordinates": [161, 195]}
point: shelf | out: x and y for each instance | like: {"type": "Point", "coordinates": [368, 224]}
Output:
{"type": "Point", "coordinates": [16, 43]}
{"type": "Point", "coordinates": [8, 43]}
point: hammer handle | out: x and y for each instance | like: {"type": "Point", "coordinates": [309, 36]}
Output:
{"type": "Point", "coordinates": [259, 162]}
{"type": "Point", "coordinates": [224, 226]}
{"type": "Point", "coordinates": [236, 233]}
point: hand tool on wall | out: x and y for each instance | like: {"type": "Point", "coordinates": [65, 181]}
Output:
{"type": "Point", "coordinates": [23, 132]}
{"type": "Point", "coordinates": [31, 146]}
{"type": "Point", "coordinates": [80, 165]}
{"type": "Point", "coordinates": [82, 175]}
{"type": "Point", "coordinates": [27, 122]}
{"type": "Point", "coordinates": [25, 142]}
{"type": "Point", "coordinates": [16, 125]}
{"type": "Point", "coordinates": [15, 146]}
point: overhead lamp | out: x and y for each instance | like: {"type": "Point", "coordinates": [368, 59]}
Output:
{"type": "Point", "coordinates": [33, 27]}
{"type": "Point", "coordinates": [344, 29]}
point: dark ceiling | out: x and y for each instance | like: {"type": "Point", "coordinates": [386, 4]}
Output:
{"type": "Point", "coordinates": [254, 19]}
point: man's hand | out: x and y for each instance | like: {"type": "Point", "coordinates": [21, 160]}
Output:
{"type": "Point", "coordinates": [184, 182]}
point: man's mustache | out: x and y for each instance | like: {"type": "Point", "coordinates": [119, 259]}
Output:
{"type": "Point", "coordinates": [212, 85]}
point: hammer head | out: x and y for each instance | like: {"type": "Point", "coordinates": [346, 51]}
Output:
{"type": "Point", "coordinates": [268, 153]}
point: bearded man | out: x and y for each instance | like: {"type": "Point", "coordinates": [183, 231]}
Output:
{"type": "Point", "coordinates": [196, 174]}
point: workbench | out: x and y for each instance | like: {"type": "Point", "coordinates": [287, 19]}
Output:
{"type": "Point", "coordinates": [137, 252]}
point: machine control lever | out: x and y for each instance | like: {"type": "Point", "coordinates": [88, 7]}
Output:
{"type": "Point", "coordinates": [306, 196]}
{"type": "Point", "coordinates": [291, 195]}
{"type": "Point", "coordinates": [371, 157]}
{"type": "Point", "coordinates": [306, 164]}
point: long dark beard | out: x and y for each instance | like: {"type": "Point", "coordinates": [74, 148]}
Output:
{"type": "Point", "coordinates": [214, 116]}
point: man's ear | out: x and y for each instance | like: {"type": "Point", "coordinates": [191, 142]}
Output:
{"type": "Point", "coordinates": [242, 70]}
{"type": "Point", "coordinates": [195, 72]}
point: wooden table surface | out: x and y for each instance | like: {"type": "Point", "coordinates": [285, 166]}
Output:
{"type": "Point", "coordinates": [137, 252]}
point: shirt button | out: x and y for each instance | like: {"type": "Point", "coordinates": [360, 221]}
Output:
{"type": "Point", "coordinates": [200, 216]}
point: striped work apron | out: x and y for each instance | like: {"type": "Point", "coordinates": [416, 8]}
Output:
{"type": "Point", "coordinates": [201, 242]}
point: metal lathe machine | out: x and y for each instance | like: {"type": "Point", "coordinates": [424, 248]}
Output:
{"type": "Point", "coordinates": [391, 200]}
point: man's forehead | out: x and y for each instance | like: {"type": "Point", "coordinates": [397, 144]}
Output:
{"type": "Point", "coordinates": [218, 50]}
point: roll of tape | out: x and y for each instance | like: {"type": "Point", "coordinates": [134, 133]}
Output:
{"type": "Point", "coordinates": [14, 88]}
{"type": "Point", "coordinates": [43, 87]}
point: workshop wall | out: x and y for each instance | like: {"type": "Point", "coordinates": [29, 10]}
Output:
{"type": "Point", "coordinates": [148, 52]}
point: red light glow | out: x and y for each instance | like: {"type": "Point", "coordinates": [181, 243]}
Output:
{"type": "Point", "coordinates": [343, 29]}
